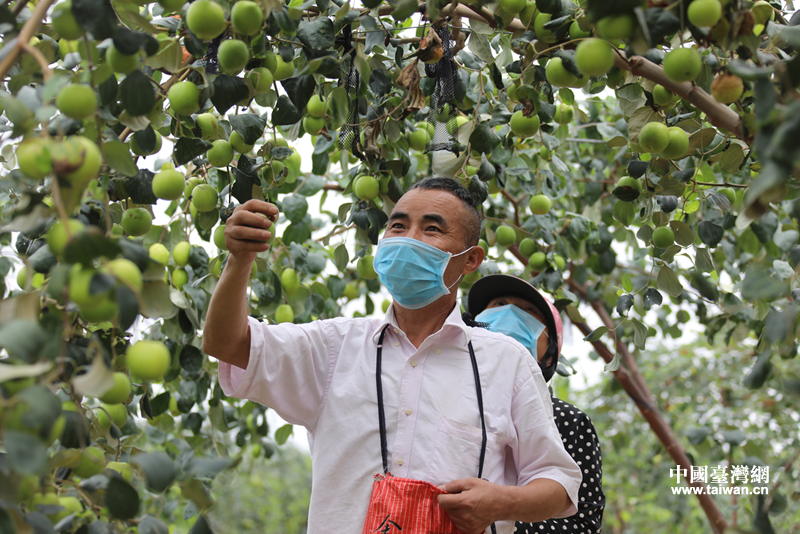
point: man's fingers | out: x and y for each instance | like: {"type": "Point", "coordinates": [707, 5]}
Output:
{"type": "Point", "coordinates": [247, 233]}
{"type": "Point", "coordinates": [249, 218]}
{"type": "Point", "coordinates": [448, 502]}
{"type": "Point", "coordinates": [260, 206]}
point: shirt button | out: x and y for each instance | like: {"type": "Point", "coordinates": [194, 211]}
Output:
{"type": "Point", "coordinates": [396, 343]}
{"type": "Point", "coordinates": [408, 411]}
{"type": "Point", "coordinates": [400, 461]}
{"type": "Point", "coordinates": [413, 363]}
{"type": "Point", "coordinates": [438, 351]}
{"type": "Point", "coordinates": [396, 330]}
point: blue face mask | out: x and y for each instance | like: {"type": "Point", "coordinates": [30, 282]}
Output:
{"type": "Point", "coordinates": [412, 271]}
{"type": "Point", "coordinates": [512, 321]}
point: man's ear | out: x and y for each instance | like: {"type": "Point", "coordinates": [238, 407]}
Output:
{"type": "Point", "coordinates": [474, 259]}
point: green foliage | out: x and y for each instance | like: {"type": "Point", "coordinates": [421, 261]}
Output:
{"type": "Point", "coordinates": [67, 319]}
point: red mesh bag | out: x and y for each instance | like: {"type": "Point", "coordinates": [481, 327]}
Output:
{"type": "Point", "coordinates": [408, 506]}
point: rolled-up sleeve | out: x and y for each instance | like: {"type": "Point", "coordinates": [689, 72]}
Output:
{"type": "Point", "coordinates": [540, 452]}
{"type": "Point", "coordinates": [288, 369]}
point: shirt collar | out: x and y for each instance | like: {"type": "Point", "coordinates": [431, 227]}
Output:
{"type": "Point", "coordinates": [453, 325]}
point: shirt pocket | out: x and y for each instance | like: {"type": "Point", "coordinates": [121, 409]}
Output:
{"type": "Point", "coordinates": [456, 451]}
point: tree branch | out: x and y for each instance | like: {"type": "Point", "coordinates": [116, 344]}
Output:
{"type": "Point", "coordinates": [28, 29]}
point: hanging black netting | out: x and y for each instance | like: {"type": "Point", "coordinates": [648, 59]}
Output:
{"type": "Point", "coordinates": [447, 93]}
{"type": "Point", "coordinates": [350, 80]}
{"type": "Point", "coordinates": [211, 60]}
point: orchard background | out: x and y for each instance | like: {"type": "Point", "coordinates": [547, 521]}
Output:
{"type": "Point", "coordinates": [638, 161]}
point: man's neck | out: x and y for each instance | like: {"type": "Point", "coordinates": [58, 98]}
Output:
{"type": "Point", "coordinates": [419, 324]}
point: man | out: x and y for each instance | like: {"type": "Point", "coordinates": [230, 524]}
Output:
{"type": "Point", "coordinates": [322, 375]}
{"type": "Point", "coordinates": [514, 307]}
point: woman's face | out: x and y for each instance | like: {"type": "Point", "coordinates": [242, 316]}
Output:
{"type": "Point", "coordinates": [524, 305]}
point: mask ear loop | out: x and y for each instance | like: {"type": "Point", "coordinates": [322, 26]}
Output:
{"type": "Point", "coordinates": [458, 280]}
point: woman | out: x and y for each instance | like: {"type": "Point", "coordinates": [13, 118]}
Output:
{"type": "Point", "coordinates": [514, 307]}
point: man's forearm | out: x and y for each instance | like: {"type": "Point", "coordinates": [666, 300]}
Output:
{"type": "Point", "coordinates": [226, 334]}
{"type": "Point", "coordinates": [540, 499]}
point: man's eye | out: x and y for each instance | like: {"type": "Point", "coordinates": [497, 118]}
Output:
{"type": "Point", "coordinates": [432, 229]}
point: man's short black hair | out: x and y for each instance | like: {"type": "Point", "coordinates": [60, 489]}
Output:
{"type": "Point", "coordinates": [472, 218]}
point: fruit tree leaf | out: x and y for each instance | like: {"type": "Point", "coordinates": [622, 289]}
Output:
{"type": "Point", "coordinates": [341, 257]}
{"type": "Point", "coordinates": [26, 452]}
{"type": "Point", "coordinates": [624, 303]}
{"type": "Point", "coordinates": [624, 212]}
{"type": "Point", "coordinates": [150, 525]}
{"type": "Point", "coordinates": [710, 233]}
{"type": "Point", "coordinates": [300, 89]}
{"type": "Point", "coordinates": [639, 333]}
{"type": "Point", "coordinates": [122, 499]}
{"type": "Point", "coordinates": [295, 208]}
{"type": "Point", "coordinates": [249, 125]}
{"type": "Point", "coordinates": [703, 261]}
{"type": "Point", "coordinates": [158, 469]}
{"type": "Point", "coordinates": [188, 148]}
{"type": "Point", "coordinates": [211, 467]}
{"type": "Point", "coordinates": [285, 112]}
{"type": "Point", "coordinates": [118, 157]}
{"type": "Point", "coordinates": [484, 139]}
{"type": "Point", "coordinates": [596, 334]}
{"type": "Point", "coordinates": [651, 298]}
{"type": "Point", "coordinates": [697, 435]}
{"type": "Point", "coordinates": [137, 94]}
{"type": "Point", "coordinates": [22, 339]}
{"type": "Point", "coordinates": [227, 92]}
{"type": "Point", "coordinates": [316, 34]}
{"type": "Point", "coordinates": [759, 285]}
{"type": "Point", "coordinates": [242, 189]}
{"type": "Point", "coordinates": [96, 17]}
{"type": "Point", "coordinates": [667, 281]}
{"type": "Point", "coordinates": [283, 433]}
{"type": "Point", "coordinates": [86, 246]}
{"type": "Point", "coordinates": [201, 526]}
{"type": "Point", "coordinates": [138, 188]}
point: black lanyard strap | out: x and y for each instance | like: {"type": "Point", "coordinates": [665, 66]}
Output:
{"type": "Point", "coordinates": [382, 416]}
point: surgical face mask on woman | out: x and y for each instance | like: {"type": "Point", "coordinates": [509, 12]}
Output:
{"type": "Point", "coordinates": [521, 325]}
{"type": "Point", "coordinates": [413, 271]}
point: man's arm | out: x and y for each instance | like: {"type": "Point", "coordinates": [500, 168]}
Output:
{"type": "Point", "coordinates": [473, 504]}
{"type": "Point", "coordinates": [226, 334]}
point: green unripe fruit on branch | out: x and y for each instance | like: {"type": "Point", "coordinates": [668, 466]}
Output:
{"type": "Point", "coordinates": [206, 19]}
{"type": "Point", "coordinates": [537, 261]}
{"type": "Point", "coordinates": [682, 64]}
{"type": "Point", "coordinates": [559, 76]}
{"type": "Point", "coordinates": [220, 154]}
{"type": "Point", "coordinates": [540, 204]}
{"type": "Point", "coordinates": [209, 127]}
{"type": "Point", "coordinates": [33, 158]}
{"type": "Point", "coordinates": [564, 114]}
{"type": "Point", "coordinates": [284, 314]}
{"type": "Point", "coordinates": [261, 78]}
{"type": "Point", "coordinates": [149, 360]}
{"type": "Point", "coordinates": [523, 126]}
{"type": "Point", "coordinates": [246, 17]}
{"type": "Point", "coordinates": [506, 236]}
{"type": "Point", "coordinates": [77, 101]}
{"type": "Point", "coordinates": [64, 22]}
{"type": "Point", "coordinates": [594, 57]}
{"type": "Point", "coordinates": [233, 55]}
{"type": "Point", "coordinates": [127, 272]}
{"type": "Point", "coordinates": [629, 181]}
{"type": "Point", "coordinates": [543, 34]}
{"type": "Point", "coordinates": [527, 247]}
{"type": "Point", "coordinates": [180, 253]}
{"type": "Point", "coordinates": [678, 144]}
{"type": "Point", "coordinates": [663, 237]}
{"type": "Point", "coordinates": [365, 268]}
{"type": "Point", "coordinates": [616, 27]}
{"type": "Point", "coordinates": [663, 96]}
{"type": "Point", "coordinates": [219, 237]}
{"type": "Point", "coordinates": [168, 184]}
{"type": "Point", "coordinates": [316, 106]}
{"type": "Point", "coordinates": [60, 234]}
{"type": "Point", "coordinates": [282, 70]}
{"type": "Point", "coordinates": [238, 144]}
{"type": "Point", "coordinates": [313, 125]}
{"type": "Point", "coordinates": [180, 277]}
{"type": "Point", "coordinates": [204, 197]}
{"type": "Point", "coordinates": [184, 97]}
{"type": "Point", "coordinates": [654, 137]}
{"type": "Point", "coordinates": [704, 13]}
{"type": "Point", "coordinates": [136, 221]}
{"type": "Point", "coordinates": [290, 281]}
{"type": "Point", "coordinates": [119, 62]}
{"type": "Point", "coordinates": [134, 146]}
{"type": "Point", "coordinates": [120, 391]}
{"type": "Point", "coordinates": [367, 187]}
{"type": "Point", "coordinates": [419, 139]}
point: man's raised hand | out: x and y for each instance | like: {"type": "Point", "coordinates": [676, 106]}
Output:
{"type": "Point", "coordinates": [247, 229]}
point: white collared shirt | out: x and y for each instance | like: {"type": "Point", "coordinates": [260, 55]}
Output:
{"type": "Point", "coordinates": [322, 375]}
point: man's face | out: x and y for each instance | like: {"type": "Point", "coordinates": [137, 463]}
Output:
{"type": "Point", "coordinates": [527, 307]}
{"type": "Point", "coordinates": [435, 217]}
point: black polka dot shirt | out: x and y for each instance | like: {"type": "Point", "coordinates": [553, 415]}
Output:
{"type": "Point", "coordinates": [580, 440]}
